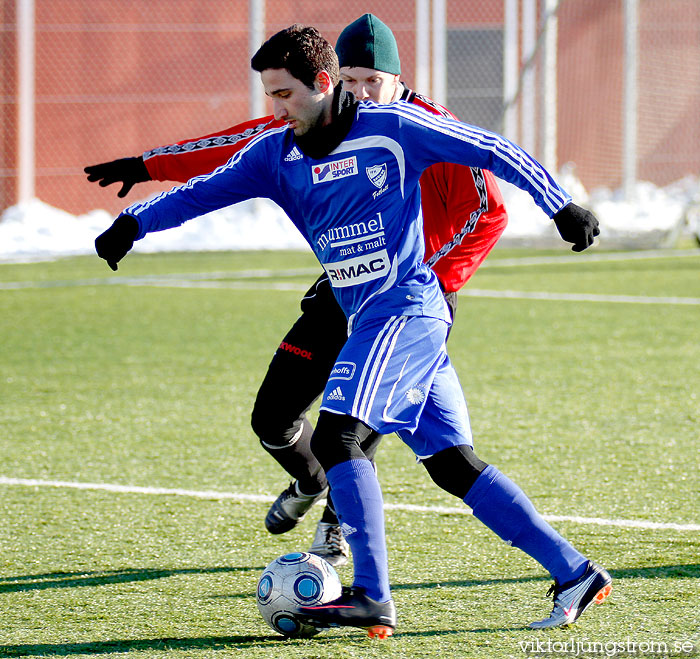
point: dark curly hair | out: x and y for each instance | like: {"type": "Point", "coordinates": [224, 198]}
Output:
{"type": "Point", "coordinates": [302, 51]}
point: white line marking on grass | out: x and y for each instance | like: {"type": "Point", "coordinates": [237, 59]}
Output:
{"type": "Point", "coordinates": [468, 292]}
{"type": "Point", "coordinates": [174, 279]}
{"type": "Point", "coordinates": [202, 282]}
{"type": "Point", "coordinates": [577, 297]}
{"type": "Point", "coordinates": [593, 257]}
{"type": "Point", "coordinates": [136, 489]}
{"type": "Point", "coordinates": [264, 273]}
{"type": "Point", "coordinates": [264, 498]}
{"type": "Point", "coordinates": [234, 285]}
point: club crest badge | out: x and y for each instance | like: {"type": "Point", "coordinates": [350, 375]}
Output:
{"type": "Point", "coordinates": [377, 175]}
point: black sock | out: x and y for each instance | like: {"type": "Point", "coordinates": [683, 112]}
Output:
{"type": "Point", "coordinates": [299, 462]}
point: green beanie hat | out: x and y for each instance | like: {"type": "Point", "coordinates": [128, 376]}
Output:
{"type": "Point", "coordinates": [369, 43]}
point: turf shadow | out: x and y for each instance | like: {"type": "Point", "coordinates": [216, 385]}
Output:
{"type": "Point", "coordinates": [104, 577]}
{"type": "Point", "coordinates": [134, 645]}
{"type": "Point", "coordinates": [691, 570]}
{"type": "Point", "coordinates": [203, 643]}
{"type": "Point", "coordinates": [466, 583]}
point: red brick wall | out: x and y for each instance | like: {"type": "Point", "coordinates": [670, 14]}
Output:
{"type": "Point", "coordinates": [116, 78]}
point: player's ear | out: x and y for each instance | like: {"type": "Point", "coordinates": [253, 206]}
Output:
{"type": "Point", "coordinates": [323, 81]}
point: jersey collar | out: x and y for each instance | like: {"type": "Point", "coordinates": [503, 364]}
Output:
{"type": "Point", "coordinates": [320, 141]}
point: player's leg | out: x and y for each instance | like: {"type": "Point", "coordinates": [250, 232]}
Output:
{"type": "Point", "coordinates": [495, 499]}
{"type": "Point", "coordinates": [502, 506]}
{"type": "Point", "coordinates": [296, 376]}
{"type": "Point", "coordinates": [393, 363]}
{"type": "Point", "coordinates": [279, 416]}
{"type": "Point", "coordinates": [367, 603]}
{"type": "Point", "coordinates": [336, 443]}
{"type": "Point", "coordinates": [369, 447]}
{"type": "Point", "coordinates": [329, 542]}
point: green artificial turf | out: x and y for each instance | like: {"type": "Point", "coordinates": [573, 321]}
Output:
{"type": "Point", "coordinates": [592, 406]}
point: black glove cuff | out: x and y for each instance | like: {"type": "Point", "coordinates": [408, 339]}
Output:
{"type": "Point", "coordinates": [140, 171]}
{"type": "Point", "coordinates": [125, 228]}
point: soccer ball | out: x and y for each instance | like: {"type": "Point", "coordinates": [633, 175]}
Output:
{"type": "Point", "coordinates": [291, 581]}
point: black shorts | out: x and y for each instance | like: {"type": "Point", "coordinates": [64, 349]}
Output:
{"type": "Point", "coordinates": [302, 363]}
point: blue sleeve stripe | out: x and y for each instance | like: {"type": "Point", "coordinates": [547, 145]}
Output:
{"type": "Point", "coordinates": [552, 194]}
{"type": "Point", "coordinates": [549, 195]}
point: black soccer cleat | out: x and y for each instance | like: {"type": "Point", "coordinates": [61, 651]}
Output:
{"type": "Point", "coordinates": [354, 608]}
{"type": "Point", "coordinates": [290, 507]}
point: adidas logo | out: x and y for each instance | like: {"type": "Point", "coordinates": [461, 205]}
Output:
{"type": "Point", "coordinates": [293, 155]}
{"type": "Point", "coordinates": [336, 394]}
{"type": "Point", "coordinates": [347, 530]}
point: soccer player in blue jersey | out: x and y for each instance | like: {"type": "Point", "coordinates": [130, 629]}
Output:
{"type": "Point", "coordinates": [347, 176]}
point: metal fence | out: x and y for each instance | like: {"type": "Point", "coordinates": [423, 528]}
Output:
{"type": "Point", "coordinates": [612, 86]}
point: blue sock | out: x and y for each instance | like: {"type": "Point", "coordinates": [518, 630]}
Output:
{"type": "Point", "coordinates": [358, 502]}
{"type": "Point", "coordinates": [502, 506]}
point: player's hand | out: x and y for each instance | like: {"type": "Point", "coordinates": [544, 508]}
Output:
{"type": "Point", "coordinates": [577, 225]}
{"type": "Point", "coordinates": [126, 171]}
{"type": "Point", "coordinates": [114, 244]}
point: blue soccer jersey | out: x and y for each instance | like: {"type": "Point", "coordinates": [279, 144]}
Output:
{"type": "Point", "coordinates": [359, 210]}
{"type": "Point", "coordinates": [359, 207]}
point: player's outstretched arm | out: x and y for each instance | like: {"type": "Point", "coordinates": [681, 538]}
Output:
{"type": "Point", "coordinates": [576, 225]}
{"type": "Point", "coordinates": [246, 176]}
{"type": "Point", "coordinates": [127, 171]}
{"type": "Point", "coordinates": [180, 161]}
{"type": "Point", "coordinates": [114, 244]}
{"type": "Point", "coordinates": [444, 139]}
{"type": "Point", "coordinates": [200, 155]}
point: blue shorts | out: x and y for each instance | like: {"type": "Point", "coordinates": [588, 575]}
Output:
{"type": "Point", "coordinates": [395, 376]}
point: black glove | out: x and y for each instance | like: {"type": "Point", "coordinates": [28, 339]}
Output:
{"type": "Point", "coordinates": [114, 244]}
{"type": "Point", "coordinates": [128, 171]}
{"type": "Point", "coordinates": [577, 225]}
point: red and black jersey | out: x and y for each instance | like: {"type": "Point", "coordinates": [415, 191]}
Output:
{"type": "Point", "coordinates": [184, 160]}
{"type": "Point", "coordinates": [463, 210]}
{"type": "Point", "coordinates": [463, 213]}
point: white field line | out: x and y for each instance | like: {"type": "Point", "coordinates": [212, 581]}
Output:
{"type": "Point", "coordinates": [198, 281]}
{"type": "Point", "coordinates": [467, 292]}
{"type": "Point", "coordinates": [233, 285]}
{"type": "Point", "coordinates": [160, 280]}
{"type": "Point", "coordinates": [577, 297]}
{"type": "Point", "coordinates": [241, 280]}
{"type": "Point", "coordinates": [264, 498]}
{"type": "Point", "coordinates": [593, 257]}
{"type": "Point", "coordinates": [163, 280]}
